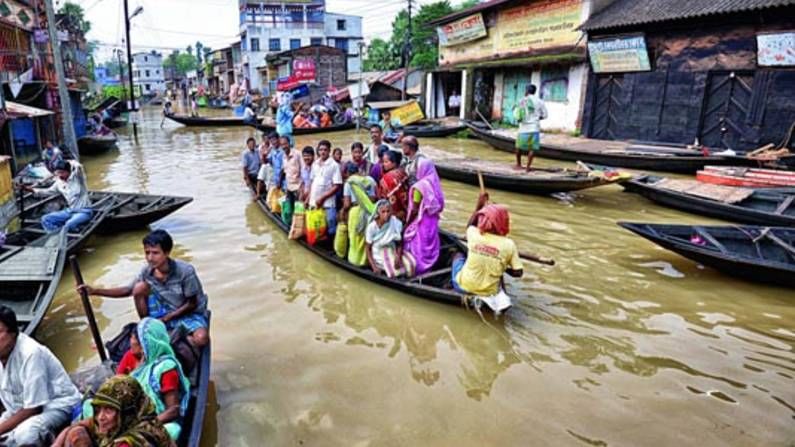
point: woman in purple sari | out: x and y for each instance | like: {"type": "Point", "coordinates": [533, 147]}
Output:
{"type": "Point", "coordinates": [426, 202]}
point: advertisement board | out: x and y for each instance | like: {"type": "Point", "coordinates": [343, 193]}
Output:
{"type": "Point", "coordinates": [304, 70]}
{"type": "Point", "coordinates": [462, 30]}
{"type": "Point", "coordinates": [776, 49]}
{"type": "Point", "coordinates": [409, 113]}
{"type": "Point", "coordinates": [620, 54]}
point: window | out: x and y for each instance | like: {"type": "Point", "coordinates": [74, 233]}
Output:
{"type": "Point", "coordinates": [274, 45]}
{"type": "Point", "coordinates": [340, 25]}
{"type": "Point", "coordinates": [146, 87]}
{"type": "Point", "coordinates": [146, 59]}
{"type": "Point", "coordinates": [147, 73]}
{"type": "Point", "coordinates": [295, 43]}
{"type": "Point", "coordinates": [157, 72]}
{"type": "Point", "coordinates": [555, 84]}
{"type": "Point", "coordinates": [254, 44]}
{"type": "Point", "coordinates": [342, 44]}
{"type": "Point", "coordinates": [315, 41]}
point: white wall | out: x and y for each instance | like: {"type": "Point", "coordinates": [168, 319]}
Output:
{"type": "Point", "coordinates": [156, 78]}
{"type": "Point", "coordinates": [564, 115]}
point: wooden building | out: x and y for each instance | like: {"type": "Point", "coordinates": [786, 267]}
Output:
{"type": "Point", "coordinates": [318, 67]}
{"type": "Point", "coordinates": [719, 72]}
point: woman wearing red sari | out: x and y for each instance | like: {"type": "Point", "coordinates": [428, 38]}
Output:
{"type": "Point", "coordinates": [394, 184]}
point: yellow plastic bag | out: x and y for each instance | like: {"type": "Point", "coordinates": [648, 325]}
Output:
{"type": "Point", "coordinates": [298, 226]}
{"type": "Point", "coordinates": [341, 240]}
{"type": "Point", "coordinates": [274, 194]}
{"type": "Point", "coordinates": [315, 225]}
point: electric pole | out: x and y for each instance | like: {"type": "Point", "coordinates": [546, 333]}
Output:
{"type": "Point", "coordinates": [406, 57]}
{"type": "Point", "coordinates": [361, 87]}
{"type": "Point", "coordinates": [67, 124]}
{"type": "Point", "coordinates": [133, 108]}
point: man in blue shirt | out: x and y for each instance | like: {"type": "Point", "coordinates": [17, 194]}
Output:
{"type": "Point", "coordinates": [250, 163]}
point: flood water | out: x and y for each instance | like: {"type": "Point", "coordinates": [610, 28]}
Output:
{"type": "Point", "coordinates": [620, 343]}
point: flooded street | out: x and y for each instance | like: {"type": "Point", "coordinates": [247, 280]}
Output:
{"type": "Point", "coordinates": [620, 343]}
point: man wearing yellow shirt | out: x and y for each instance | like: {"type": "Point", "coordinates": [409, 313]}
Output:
{"type": "Point", "coordinates": [491, 252]}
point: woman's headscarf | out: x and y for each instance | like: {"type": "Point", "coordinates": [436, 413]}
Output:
{"type": "Point", "coordinates": [159, 358]}
{"type": "Point", "coordinates": [494, 219]}
{"type": "Point", "coordinates": [137, 425]}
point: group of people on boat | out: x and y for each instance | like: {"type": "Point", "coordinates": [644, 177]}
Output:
{"type": "Point", "coordinates": [145, 402]}
{"type": "Point", "coordinates": [381, 207]}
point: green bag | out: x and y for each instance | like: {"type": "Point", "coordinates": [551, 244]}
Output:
{"type": "Point", "coordinates": [287, 210]}
{"type": "Point", "coordinates": [341, 240]}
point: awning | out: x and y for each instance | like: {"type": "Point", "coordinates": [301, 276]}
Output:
{"type": "Point", "coordinates": [17, 110]}
{"type": "Point", "coordinates": [380, 105]}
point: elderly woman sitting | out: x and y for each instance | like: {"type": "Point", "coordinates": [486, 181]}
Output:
{"type": "Point", "coordinates": [383, 243]}
{"type": "Point", "coordinates": [123, 417]}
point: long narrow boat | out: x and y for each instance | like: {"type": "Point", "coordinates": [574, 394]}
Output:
{"type": "Point", "coordinates": [96, 144]}
{"type": "Point", "coordinates": [746, 177]}
{"type": "Point", "coordinates": [132, 211]}
{"type": "Point", "coordinates": [502, 176]}
{"type": "Point", "coordinates": [759, 207]}
{"type": "Point", "coordinates": [434, 285]}
{"type": "Point", "coordinates": [763, 254]}
{"type": "Point", "coordinates": [671, 161]}
{"type": "Point", "coordinates": [431, 130]}
{"type": "Point", "coordinates": [29, 276]}
{"type": "Point", "coordinates": [30, 223]}
{"type": "Point", "coordinates": [309, 130]}
{"type": "Point", "coordinates": [208, 121]}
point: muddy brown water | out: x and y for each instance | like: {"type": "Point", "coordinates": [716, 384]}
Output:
{"type": "Point", "coordinates": [620, 343]}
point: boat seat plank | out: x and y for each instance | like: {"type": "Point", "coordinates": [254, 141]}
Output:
{"type": "Point", "coordinates": [432, 274]}
{"type": "Point", "coordinates": [703, 233]}
{"type": "Point", "coordinates": [12, 250]}
{"type": "Point", "coordinates": [31, 262]}
{"type": "Point", "coordinates": [781, 243]}
{"type": "Point", "coordinates": [785, 204]}
{"type": "Point", "coordinates": [153, 204]}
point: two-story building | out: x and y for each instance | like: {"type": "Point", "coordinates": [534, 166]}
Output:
{"type": "Point", "coordinates": [268, 27]}
{"type": "Point", "coordinates": [148, 73]}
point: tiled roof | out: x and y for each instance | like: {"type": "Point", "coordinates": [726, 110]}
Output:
{"type": "Point", "coordinates": [622, 13]}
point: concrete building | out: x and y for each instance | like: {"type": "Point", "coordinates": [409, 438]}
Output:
{"type": "Point", "coordinates": [489, 53]}
{"type": "Point", "coordinates": [272, 27]}
{"type": "Point", "coordinates": [148, 74]}
{"type": "Point", "coordinates": [320, 68]}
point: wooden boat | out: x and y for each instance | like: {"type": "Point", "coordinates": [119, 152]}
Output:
{"type": "Point", "coordinates": [764, 254]}
{"type": "Point", "coordinates": [669, 161]}
{"type": "Point", "coordinates": [30, 228]}
{"type": "Point", "coordinates": [209, 121]}
{"type": "Point", "coordinates": [115, 123]}
{"type": "Point", "coordinates": [309, 130]}
{"type": "Point", "coordinates": [503, 176]}
{"type": "Point", "coordinates": [434, 285]}
{"type": "Point", "coordinates": [29, 276]}
{"type": "Point", "coordinates": [746, 177]}
{"type": "Point", "coordinates": [96, 144]}
{"type": "Point", "coordinates": [752, 206]}
{"type": "Point", "coordinates": [132, 211]}
{"type": "Point", "coordinates": [431, 130]}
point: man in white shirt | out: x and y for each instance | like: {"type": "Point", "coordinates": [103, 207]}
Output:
{"type": "Point", "coordinates": [35, 390]}
{"type": "Point", "coordinates": [249, 116]}
{"type": "Point", "coordinates": [528, 113]}
{"type": "Point", "coordinates": [377, 138]}
{"type": "Point", "coordinates": [326, 179]}
{"type": "Point", "coordinates": [70, 182]}
{"type": "Point", "coordinates": [454, 103]}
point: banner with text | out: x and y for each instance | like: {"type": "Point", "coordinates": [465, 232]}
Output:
{"type": "Point", "coordinates": [410, 113]}
{"type": "Point", "coordinates": [776, 49]}
{"type": "Point", "coordinates": [619, 55]}
{"type": "Point", "coordinates": [303, 70]}
{"type": "Point", "coordinates": [462, 30]}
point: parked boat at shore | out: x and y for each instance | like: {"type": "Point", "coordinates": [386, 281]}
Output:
{"type": "Point", "coordinates": [746, 177]}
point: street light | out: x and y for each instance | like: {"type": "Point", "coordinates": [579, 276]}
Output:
{"type": "Point", "coordinates": [137, 11]}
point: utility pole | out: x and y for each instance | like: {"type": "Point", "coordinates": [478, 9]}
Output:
{"type": "Point", "coordinates": [406, 57]}
{"type": "Point", "coordinates": [67, 124]}
{"type": "Point", "coordinates": [133, 108]}
{"type": "Point", "coordinates": [118, 52]}
{"type": "Point", "coordinates": [361, 87]}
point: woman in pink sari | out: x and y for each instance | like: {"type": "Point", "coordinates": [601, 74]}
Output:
{"type": "Point", "coordinates": [426, 203]}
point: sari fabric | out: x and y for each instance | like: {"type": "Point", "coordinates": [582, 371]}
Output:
{"type": "Point", "coordinates": [138, 425]}
{"type": "Point", "coordinates": [159, 358]}
{"type": "Point", "coordinates": [383, 242]}
{"type": "Point", "coordinates": [421, 237]}
{"type": "Point", "coordinates": [358, 216]}
{"type": "Point", "coordinates": [394, 184]}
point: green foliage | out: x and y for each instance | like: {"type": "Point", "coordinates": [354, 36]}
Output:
{"type": "Point", "coordinates": [75, 17]}
{"type": "Point", "coordinates": [119, 91]}
{"type": "Point", "coordinates": [380, 57]}
{"type": "Point", "coordinates": [181, 62]}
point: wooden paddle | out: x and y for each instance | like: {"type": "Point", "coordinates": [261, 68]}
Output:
{"type": "Point", "coordinates": [92, 322]}
{"type": "Point", "coordinates": [484, 119]}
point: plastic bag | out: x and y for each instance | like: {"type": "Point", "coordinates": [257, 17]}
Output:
{"type": "Point", "coordinates": [341, 240]}
{"type": "Point", "coordinates": [315, 225]}
{"type": "Point", "coordinates": [287, 210]}
{"type": "Point", "coordinates": [273, 200]}
{"type": "Point", "coordinates": [298, 226]}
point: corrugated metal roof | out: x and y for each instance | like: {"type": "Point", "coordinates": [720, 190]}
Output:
{"type": "Point", "coordinates": [16, 109]}
{"type": "Point", "coordinates": [477, 8]}
{"type": "Point", "coordinates": [624, 13]}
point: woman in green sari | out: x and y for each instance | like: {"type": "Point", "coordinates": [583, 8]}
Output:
{"type": "Point", "coordinates": [358, 196]}
{"type": "Point", "coordinates": [124, 416]}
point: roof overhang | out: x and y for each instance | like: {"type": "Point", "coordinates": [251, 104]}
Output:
{"type": "Point", "coordinates": [17, 110]}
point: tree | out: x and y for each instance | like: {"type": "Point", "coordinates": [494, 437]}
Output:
{"type": "Point", "coordinates": [199, 53]}
{"type": "Point", "coordinates": [380, 57]}
{"type": "Point", "coordinates": [75, 17]}
{"type": "Point", "coordinates": [181, 62]}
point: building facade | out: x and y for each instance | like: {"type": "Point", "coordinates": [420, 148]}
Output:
{"type": "Point", "coordinates": [148, 74]}
{"type": "Point", "coordinates": [489, 53]}
{"type": "Point", "coordinates": [720, 73]}
{"type": "Point", "coordinates": [320, 68]}
{"type": "Point", "coordinates": [273, 27]}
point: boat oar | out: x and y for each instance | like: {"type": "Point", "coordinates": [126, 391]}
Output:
{"type": "Point", "coordinates": [92, 322]}
{"type": "Point", "coordinates": [484, 119]}
{"type": "Point", "coordinates": [481, 183]}
{"type": "Point", "coordinates": [522, 254]}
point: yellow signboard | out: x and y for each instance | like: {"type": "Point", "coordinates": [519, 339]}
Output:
{"type": "Point", "coordinates": [410, 113]}
{"type": "Point", "coordinates": [535, 26]}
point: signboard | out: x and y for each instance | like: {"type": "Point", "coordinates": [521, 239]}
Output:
{"type": "Point", "coordinates": [535, 26]}
{"type": "Point", "coordinates": [619, 55]}
{"type": "Point", "coordinates": [286, 83]}
{"type": "Point", "coordinates": [301, 90]}
{"type": "Point", "coordinates": [303, 70]}
{"type": "Point", "coordinates": [462, 30]}
{"type": "Point", "coordinates": [410, 113]}
{"type": "Point", "coordinates": [776, 49]}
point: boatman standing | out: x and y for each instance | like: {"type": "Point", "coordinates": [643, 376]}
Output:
{"type": "Point", "coordinates": [528, 113]}
{"type": "Point", "coordinates": [70, 182]}
{"type": "Point", "coordinates": [250, 162]}
{"type": "Point", "coordinates": [36, 393]}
